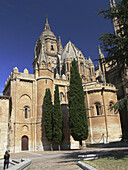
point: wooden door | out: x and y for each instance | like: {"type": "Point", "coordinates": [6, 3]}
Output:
{"type": "Point", "coordinates": [24, 143]}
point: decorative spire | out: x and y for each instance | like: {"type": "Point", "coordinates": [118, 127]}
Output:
{"type": "Point", "coordinates": [102, 65]}
{"type": "Point", "coordinates": [60, 45]}
{"type": "Point", "coordinates": [89, 60]}
{"type": "Point", "coordinates": [47, 27]}
{"type": "Point", "coordinates": [101, 55]}
{"type": "Point", "coordinates": [114, 3]}
{"type": "Point", "coordinates": [59, 39]}
{"type": "Point", "coordinates": [111, 4]}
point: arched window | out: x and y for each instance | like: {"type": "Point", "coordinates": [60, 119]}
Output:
{"type": "Point", "coordinates": [111, 111]}
{"type": "Point", "coordinates": [89, 71]}
{"type": "Point", "coordinates": [81, 67]}
{"type": "Point", "coordinates": [26, 112]}
{"type": "Point", "coordinates": [67, 76]}
{"type": "Point", "coordinates": [92, 70]}
{"type": "Point", "coordinates": [61, 96]}
{"type": "Point", "coordinates": [67, 67]}
{"type": "Point", "coordinates": [98, 109]}
{"type": "Point", "coordinates": [52, 48]}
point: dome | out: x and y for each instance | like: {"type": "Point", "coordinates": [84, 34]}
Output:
{"type": "Point", "coordinates": [46, 33]}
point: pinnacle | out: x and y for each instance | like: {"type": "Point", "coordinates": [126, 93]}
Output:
{"type": "Point", "coordinates": [47, 27]}
{"type": "Point", "coordinates": [101, 55]}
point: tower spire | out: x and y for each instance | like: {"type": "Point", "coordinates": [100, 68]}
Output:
{"type": "Point", "coordinates": [102, 65]}
{"type": "Point", "coordinates": [111, 4]}
{"type": "Point", "coordinates": [60, 45]}
{"type": "Point", "coordinates": [101, 55]}
{"type": "Point", "coordinates": [114, 3]}
{"type": "Point", "coordinates": [46, 27]}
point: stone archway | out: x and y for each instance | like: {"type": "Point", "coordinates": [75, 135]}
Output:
{"type": "Point", "coordinates": [24, 143]}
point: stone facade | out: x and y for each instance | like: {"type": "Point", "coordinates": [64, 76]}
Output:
{"type": "Point", "coordinates": [4, 120]}
{"type": "Point", "coordinates": [113, 75]}
{"type": "Point", "coordinates": [51, 67]}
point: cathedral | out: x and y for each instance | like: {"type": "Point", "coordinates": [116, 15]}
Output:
{"type": "Point", "coordinates": [21, 104]}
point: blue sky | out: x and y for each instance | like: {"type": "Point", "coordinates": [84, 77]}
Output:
{"type": "Point", "coordinates": [22, 21]}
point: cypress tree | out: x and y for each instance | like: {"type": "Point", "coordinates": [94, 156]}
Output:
{"type": "Point", "coordinates": [48, 112]}
{"type": "Point", "coordinates": [77, 112]}
{"type": "Point", "coordinates": [57, 119]}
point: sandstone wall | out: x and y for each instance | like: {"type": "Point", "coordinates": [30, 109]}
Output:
{"type": "Point", "coordinates": [4, 118]}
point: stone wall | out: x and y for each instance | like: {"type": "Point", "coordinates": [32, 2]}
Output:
{"type": "Point", "coordinates": [4, 118]}
{"type": "Point", "coordinates": [104, 125]}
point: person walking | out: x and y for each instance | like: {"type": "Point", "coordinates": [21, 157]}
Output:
{"type": "Point", "coordinates": [6, 159]}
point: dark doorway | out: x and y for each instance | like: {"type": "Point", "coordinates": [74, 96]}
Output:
{"type": "Point", "coordinates": [24, 143]}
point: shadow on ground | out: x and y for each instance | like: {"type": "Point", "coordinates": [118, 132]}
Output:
{"type": "Point", "coordinates": [116, 154]}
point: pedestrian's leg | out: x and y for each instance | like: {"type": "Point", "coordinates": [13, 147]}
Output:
{"type": "Point", "coordinates": [4, 164]}
{"type": "Point", "coordinates": [7, 165]}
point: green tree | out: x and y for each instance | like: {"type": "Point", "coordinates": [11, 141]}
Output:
{"type": "Point", "coordinates": [77, 112]}
{"type": "Point", "coordinates": [115, 45]}
{"type": "Point", "coordinates": [48, 113]}
{"type": "Point", "coordinates": [57, 119]}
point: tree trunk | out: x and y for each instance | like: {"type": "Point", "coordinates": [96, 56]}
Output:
{"type": "Point", "coordinates": [59, 147]}
{"type": "Point", "coordinates": [51, 147]}
{"type": "Point", "coordinates": [81, 146]}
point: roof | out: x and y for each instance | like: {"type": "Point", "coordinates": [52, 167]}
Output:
{"type": "Point", "coordinates": [69, 51]}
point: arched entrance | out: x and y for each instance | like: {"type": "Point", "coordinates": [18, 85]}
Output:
{"type": "Point", "coordinates": [24, 143]}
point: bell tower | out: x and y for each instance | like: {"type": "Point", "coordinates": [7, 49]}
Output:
{"type": "Point", "coordinates": [46, 49]}
{"type": "Point", "coordinates": [44, 64]}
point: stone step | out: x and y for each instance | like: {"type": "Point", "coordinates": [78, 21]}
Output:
{"type": "Point", "coordinates": [17, 161]}
{"type": "Point", "coordinates": [91, 158]}
{"type": "Point", "coordinates": [87, 156]}
{"type": "Point", "coordinates": [12, 163]}
{"type": "Point", "coordinates": [96, 155]}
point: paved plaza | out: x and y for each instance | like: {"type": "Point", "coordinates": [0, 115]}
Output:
{"type": "Point", "coordinates": [51, 160]}
{"type": "Point", "coordinates": [56, 160]}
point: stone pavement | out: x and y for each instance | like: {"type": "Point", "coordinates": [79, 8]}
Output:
{"type": "Point", "coordinates": [51, 160]}
{"type": "Point", "coordinates": [1, 164]}
{"type": "Point", "coordinates": [56, 160]}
